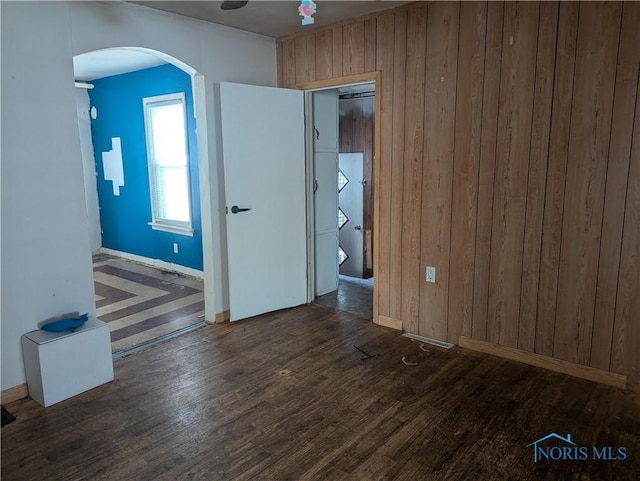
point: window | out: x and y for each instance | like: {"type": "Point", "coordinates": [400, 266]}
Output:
{"type": "Point", "coordinates": [168, 159]}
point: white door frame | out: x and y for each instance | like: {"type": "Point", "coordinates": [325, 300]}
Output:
{"type": "Point", "coordinates": [309, 88]}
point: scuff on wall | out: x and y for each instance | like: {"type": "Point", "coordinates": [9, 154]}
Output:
{"type": "Point", "coordinates": [112, 165]}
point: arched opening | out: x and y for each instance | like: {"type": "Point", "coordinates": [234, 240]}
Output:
{"type": "Point", "coordinates": [155, 205]}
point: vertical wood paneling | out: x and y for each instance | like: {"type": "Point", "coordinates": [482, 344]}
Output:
{"type": "Point", "coordinates": [504, 162]}
{"type": "Point", "coordinates": [512, 166]}
{"type": "Point", "coordinates": [625, 354]}
{"type": "Point", "coordinates": [440, 108]}
{"type": "Point", "coordinates": [370, 45]}
{"type": "Point", "coordinates": [468, 129]}
{"type": "Point", "coordinates": [490, 103]}
{"type": "Point", "coordinates": [538, 155]}
{"type": "Point", "coordinates": [412, 186]}
{"type": "Point", "coordinates": [356, 135]}
{"type": "Point", "coordinates": [598, 36]}
{"type": "Point", "coordinates": [305, 58]}
{"type": "Point", "coordinates": [324, 54]}
{"type": "Point", "coordinates": [337, 51]}
{"type": "Point", "coordinates": [617, 172]}
{"type": "Point", "coordinates": [353, 49]}
{"type": "Point", "coordinates": [556, 175]}
{"type": "Point", "coordinates": [384, 63]}
{"type": "Point", "coordinates": [397, 163]}
{"type": "Point", "coordinates": [280, 63]}
{"type": "Point", "coordinates": [289, 64]}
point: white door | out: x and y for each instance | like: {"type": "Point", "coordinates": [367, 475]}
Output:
{"type": "Point", "coordinates": [350, 214]}
{"type": "Point", "coordinates": [264, 171]}
{"type": "Point", "coordinates": [325, 192]}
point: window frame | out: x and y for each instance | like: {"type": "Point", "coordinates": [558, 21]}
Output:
{"type": "Point", "coordinates": [157, 222]}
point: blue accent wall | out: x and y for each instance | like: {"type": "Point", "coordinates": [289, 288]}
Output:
{"type": "Point", "coordinates": [124, 219]}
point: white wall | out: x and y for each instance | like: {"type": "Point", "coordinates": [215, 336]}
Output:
{"type": "Point", "coordinates": [45, 257]}
{"type": "Point", "coordinates": [89, 169]}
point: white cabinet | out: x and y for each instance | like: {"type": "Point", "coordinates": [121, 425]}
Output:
{"type": "Point", "coordinates": [60, 365]}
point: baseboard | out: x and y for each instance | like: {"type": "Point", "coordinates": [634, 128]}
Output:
{"type": "Point", "coordinates": [14, 393]}
{"type": "Point", "coordinates": [553, 364]}
{"type": "Point", "coordinates": [389, 322]}
{"type": "Point", "coordinates": [222, 317]}
{"type": "Point", "coordinates": [166, 266]}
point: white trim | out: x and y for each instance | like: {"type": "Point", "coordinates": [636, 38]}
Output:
{"type": "Point", "coordinates": [171, 228]}
{"type": "Point", "coordinates": [309, 163]}
{"type": "Point", "coordinates": [148, 103]}
{"type": "Point", "coordinates": [166, 266]}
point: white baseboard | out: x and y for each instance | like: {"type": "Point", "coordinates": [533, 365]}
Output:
{"type": "Point", "coordinates": [166, 266]}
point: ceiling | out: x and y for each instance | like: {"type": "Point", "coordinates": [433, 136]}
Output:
{"type": "Point", "coordinates": [104, 63]}
{"type": "Point", "coordinates": [271, 18]}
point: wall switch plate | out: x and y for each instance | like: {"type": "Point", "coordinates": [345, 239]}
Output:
{"type": "Point", "coordinates": [175, 247]}
{"type": "Point", "coordinates": [431, 274]}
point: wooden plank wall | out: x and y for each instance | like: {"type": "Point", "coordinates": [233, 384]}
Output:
{"type": "Point", "coordinates": [510, 161]}
{"type": "Point", "coordinates": [355, 134]}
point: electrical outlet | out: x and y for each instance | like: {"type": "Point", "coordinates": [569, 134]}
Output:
{"type": "Point", "coordinates": [431, 274]}
{"type": "Point", "coordinates": [175, 247]}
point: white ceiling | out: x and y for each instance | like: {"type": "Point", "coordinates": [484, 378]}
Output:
{"type": "Point", "coordinates": [104, 63]}
{"type": "Point", "coordinates": [271, 18]}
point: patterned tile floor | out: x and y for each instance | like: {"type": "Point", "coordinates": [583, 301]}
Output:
{"type": "Point", "coordinates": [141, 303]}
{"type": "Point", "coordinates": [353, 295]}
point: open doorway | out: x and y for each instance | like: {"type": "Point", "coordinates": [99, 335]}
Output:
{"type": "Point", "coordinates": [343, 214]}
{"type": "Point", "coordinates": [137, 123]}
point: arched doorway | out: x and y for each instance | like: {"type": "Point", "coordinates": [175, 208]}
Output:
{"type": "Point", "coordinates": [141, 321]}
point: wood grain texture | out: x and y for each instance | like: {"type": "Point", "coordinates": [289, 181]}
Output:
{"type": "Point", "coordinates": [512, 166]}
{"type": "Point", "coordinates": [437, 176]}
{"type": "Point", "coordinates": [556, 176]}
{"type": "Point", "coordinates": [468, 133]}
{"type": "Point", "coordinates": [413, 159]}
{"type": "Point", "coordinates": [541, 268]}
{"type": "Point", "coordinates": [353, 53]}
{"type": "Point", "coordinates": [538, 156]}
{"type": "Point", "coordinates": [397, 163]}
{"type": "Point", "coordinates": [305, 58]}
{"type": "Point", "coordinates": [337, 52]}
{"type": "Point", "coordinates": [490, 110]}
{"type": "Point", "coordinates": [557, 365]}
{"type": "Point", "coordinates": [625, 355]}
{"type": "Point", "coordinates": [15, 393]}
{"type": "Point", "coordinates": [626, 89]}
{"type": "Point", "coordinates": [384, 63]}
{"type": "Point", "coordinates": [289, 64]}
{"type": "Point", "coordinates": [598, 36]}
{"type": "Point", "coordinates": [324, 55]}
{"type": "Point", "coordinates": [286, 396]}
{"type": "Point", "coordinates": [370, 33]}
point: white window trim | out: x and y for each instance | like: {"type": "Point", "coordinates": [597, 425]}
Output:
{"type": "Point", "coordinates": [166, 225]}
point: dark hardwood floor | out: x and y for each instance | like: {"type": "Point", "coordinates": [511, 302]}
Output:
{"type": "Point", "coordinates": [286, 396]}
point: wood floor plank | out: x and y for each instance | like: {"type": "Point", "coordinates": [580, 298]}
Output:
{"type": "Point", "coordinates": [286, 396]}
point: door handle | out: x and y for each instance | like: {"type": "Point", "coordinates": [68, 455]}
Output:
{"type": "Point", "coordinates": [235, 209]}
{"type": "Point", "coordinates": [357, 227]}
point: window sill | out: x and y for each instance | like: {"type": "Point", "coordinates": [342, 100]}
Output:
{"type": "Point", "coordinates": [172, 228]}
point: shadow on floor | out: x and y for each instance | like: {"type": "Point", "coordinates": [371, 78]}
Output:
{"type": "Point", "coordinates": [353, 295]}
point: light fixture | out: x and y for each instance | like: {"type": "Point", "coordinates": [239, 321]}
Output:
{"type": "Point", "coordinates": [233, 5]}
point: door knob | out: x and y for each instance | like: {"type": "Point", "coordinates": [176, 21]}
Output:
{"type": "Point", "coordinates": [235, 209]}
{"type": "Point", "coordinates": [357, 227]}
